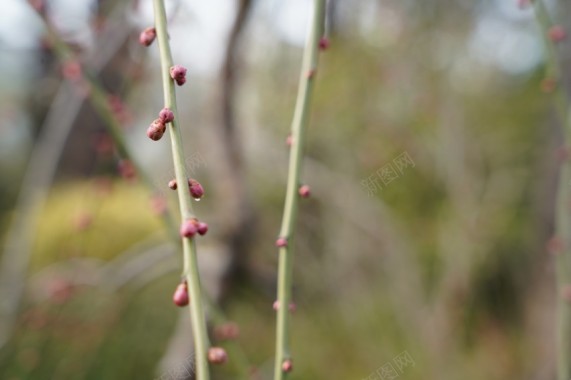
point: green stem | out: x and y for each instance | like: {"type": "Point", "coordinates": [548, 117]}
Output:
{"type": "Point", "coordinates": [191, 273]}
{"type": "Point", "coordinates": [299, 124]}
{"type": "Point", "coordinates": [562, 218]}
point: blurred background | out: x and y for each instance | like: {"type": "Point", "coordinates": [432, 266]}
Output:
{"type": "Point", "coordinates": [432, 159]}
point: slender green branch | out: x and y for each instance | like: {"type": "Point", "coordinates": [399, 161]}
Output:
{"type": "Point", "coordinates": [191, 273]}
{"type": "Point", "coordinates": [562, 218]}
{"type": "Point", "coordinates": [299, 123]}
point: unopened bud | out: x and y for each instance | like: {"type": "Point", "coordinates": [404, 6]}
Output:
{"type": "Point", "coordinates": [156, 130]}
{"type": "Point", "coordinates": [323, 43]}
{"type": "Point", "coordinates": [196, 189]}
{"type": "Point", "coordinates": [147, 36]}
{"type": "Point", "coordinates": [304, 191]}
{"type": "Point", "coordinates": [178, 73]}
{"type": "Point", "coordinates": [172, 184]}
{"type": "Point", "coordinates": [281, 242]}
{"type": "Point", "coordinates": [227, 331]}
{"type": "Point", "coordinates": [202, 228]}
{"type": "Point", "coordinates": [287, 365]}
{"type": "Point", "coordinates": [188, 229]}
{"type": "Point", "coordinates": [217, 355]}
{"type": "Point", "coordinates": [166, 115]}
{"type": "Point", "coordinates": [180, 296]}
{"type": "Point", "coordinates": [557, 33]}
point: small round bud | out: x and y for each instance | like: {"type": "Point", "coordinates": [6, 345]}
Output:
{"type": "Point", "coordinates": [196, 189]}
{"type": "Point", "coordinates": [172, 184]}
{"type": "Point", "coordinates": [289, 140]}
{"type": "Point", "coordinates": [178, 73]}
{"type": "Point", "coordinates": [554, 245]}
{"type": "Point", "coordinates": [227, 331]}
{"type": "Point", "coordinates": [217, 355]}
{"type": "Point", "coordinates": [158, 204]}
{"type": "Point", "coordinates": [166, 115]}
{"type": "Point", "coordinates": [180, 296]}
{"type": "Point", "coordinates": [82, 221]}
{"type": "Point", "coordinates": [147, 36]}
{"type": "Point", "coordinates": [311, 73]}
{"type": "Point", "coordinates": [188, 228]}
{"type": "Point", "coordinates": [156, 130]}
{"type": "Point", "coordinates": [557, 33]}
{"type": "Point", "coordinates": [304, 191]}
{"type": "Point", "coordinates": [566, 292]}
{"type": "Point", "coordinates": [562, 153]}
{"type": "Point", "coordinates": [202, 228]}
{"type": "Point", "coordinates": [276, 305]}
{"type": "Point", "coordinates": [281, 242]}
{"type": "Point", "coordinates": [548, 85]}
{"type": "Point", "coordinates": [126, 169]}
{"type": "Point", "coordinates": [287, 365]}
{"type": "Point", "coordinates": [71, 70]}
{"type": "Point", "coordinates": [323, 43]}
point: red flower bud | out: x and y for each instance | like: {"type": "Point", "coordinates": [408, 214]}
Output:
{"type": "Point", "coordinates": [196, 189]}
{"type": "Point", "coordinates": [202, 228]}
{"type": "Point", "coordinates": [287, 365]}
{"type": "Point", "coordinates": [304, 191]}
{"type": "Point", "coordinates": [178, 73]}
{"type": "Point", "coordinates": [180, 296]}
{"type": "Point", "coordinates": [188, 228]}
{"type": "Point", "coordinates": [166, 115]}
{"type": "Point", "coordinates": [323, 43]}
{"type": "Point", "coordinates": [156, 130]}
{"type": "Point", "coordinates": [126, 169]}
{"type": "Point", "coordinates": [217, 355]}
{"type": "Point", "coordinates": [227, 331]}
{"type": "Point", "coordinates": [281, 242]}
{"type": "Point", "coordinates": [147, 36]}
{"type": "Point", "coordinates": [557, 33]}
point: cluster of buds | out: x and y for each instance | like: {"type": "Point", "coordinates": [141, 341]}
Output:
{"type": "Point", "coordinates": [158, 127]}
{"type": "Point", "coordinates": [180, 296]}
{"type": "Point", "coordinates": [178, 74]}
{"type": "Point", "coordinates": [191, 227]}
{"type": "Point", "coordinates": [195, 188]}
{"type": "Point", "coordinates": [147, 36]}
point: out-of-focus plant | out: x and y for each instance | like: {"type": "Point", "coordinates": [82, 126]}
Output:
{"type": "Point", "coordinates": [560, 244]}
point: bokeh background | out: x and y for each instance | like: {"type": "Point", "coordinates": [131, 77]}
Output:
{"type": "Point", "coordinates": [432, 158]}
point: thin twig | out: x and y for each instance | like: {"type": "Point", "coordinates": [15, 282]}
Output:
{"type": "Point", "coordinates": [191, 272]}
{"type": "Point", "coordinates": [299, 123]}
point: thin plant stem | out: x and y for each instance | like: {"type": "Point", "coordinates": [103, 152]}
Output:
{"type": "Point", "coordinates": [298, 127]}
{"type": "Point", "coordinates": [191, 273]}
{"type": "Point", "coordinates": [563, 197]}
